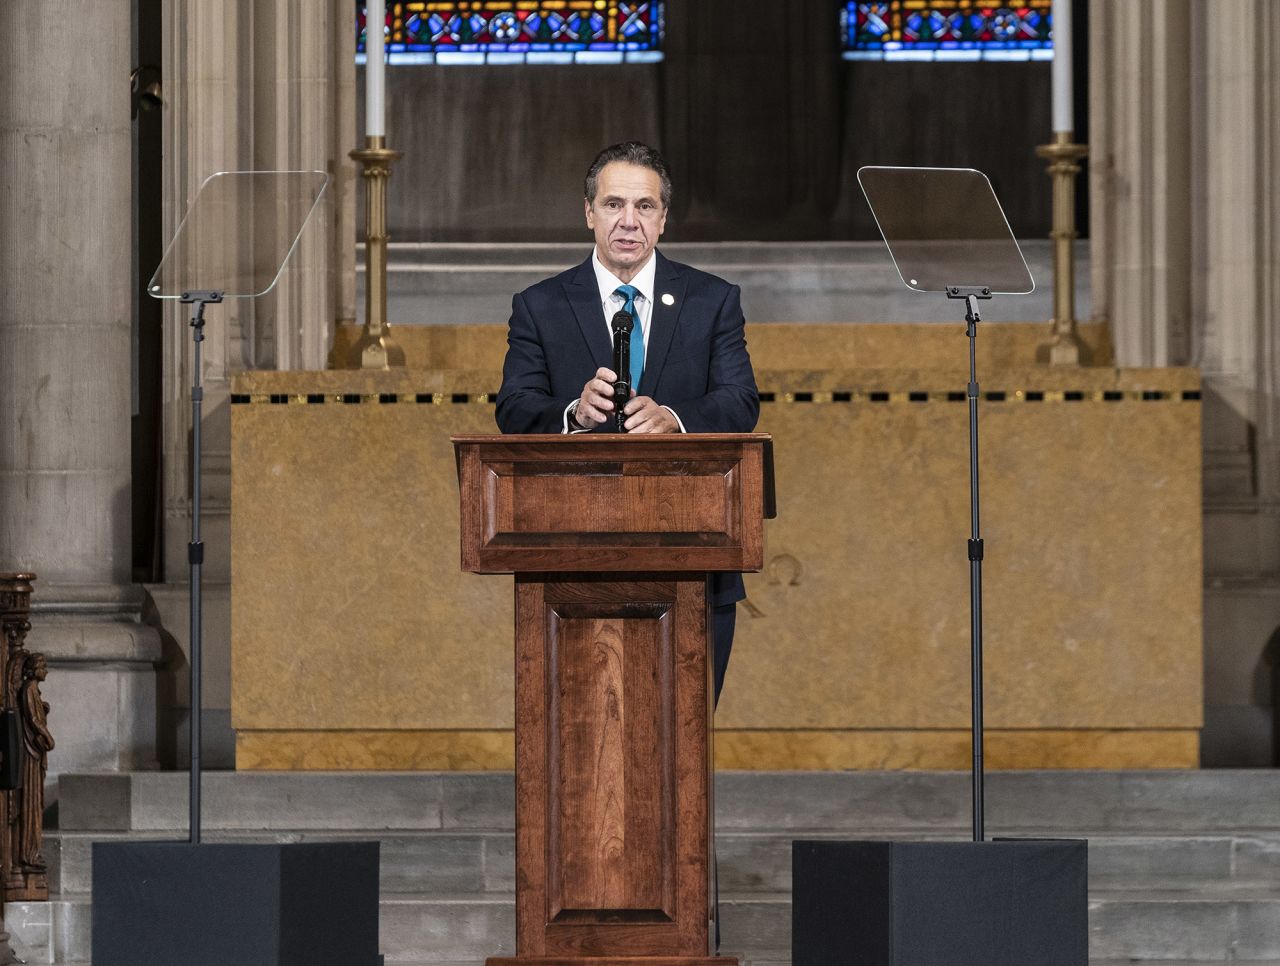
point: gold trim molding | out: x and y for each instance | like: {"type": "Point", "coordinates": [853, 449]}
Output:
{"type": "Point", "coordinates": [816, 750]}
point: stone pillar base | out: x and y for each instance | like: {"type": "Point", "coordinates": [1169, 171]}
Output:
{"type": "Point", "coordinates": [101, 687]}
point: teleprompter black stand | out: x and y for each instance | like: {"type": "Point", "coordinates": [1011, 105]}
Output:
{"type": "Point", "coordinates": [195, 549]}
{"type": "Point", "coordinates": [972, 319]}
{"type": "Point", "coordinates": [262, 904]}
{"type": "Point", "coordinates": [980, 903]}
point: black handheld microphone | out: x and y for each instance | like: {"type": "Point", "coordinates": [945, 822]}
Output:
{"type": "Point", "coordinates": [622, 323]}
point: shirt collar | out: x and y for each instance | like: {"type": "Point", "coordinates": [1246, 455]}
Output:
{"type": "Point", "coordinates": [608, 282]}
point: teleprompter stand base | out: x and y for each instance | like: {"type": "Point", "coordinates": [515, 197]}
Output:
{"type": "Point", "coordinates": [999, 903]}
{"type": "Point", "coordinates": [259, 904]}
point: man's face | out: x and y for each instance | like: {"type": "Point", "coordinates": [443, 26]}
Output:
{"type": "Point", "coordinates": [627, 216]}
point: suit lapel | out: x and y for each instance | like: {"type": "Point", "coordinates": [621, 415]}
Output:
{"type": "Point", "coordinates": [667, 281]}
{"type": "Point", "coordinates": [584, 297]}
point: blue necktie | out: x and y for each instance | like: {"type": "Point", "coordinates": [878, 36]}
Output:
{"type": "Point", "coordinates": [629, 293]}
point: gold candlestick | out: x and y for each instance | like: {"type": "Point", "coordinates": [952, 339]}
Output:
{"type": "Point", "coordinates": [375, 348]}
{"type": "Point", "coordinates": [1064, 348]}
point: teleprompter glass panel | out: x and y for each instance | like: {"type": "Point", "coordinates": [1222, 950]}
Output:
{"type": "Point", "coordinates": [944, 228]}
{"type": "Point", "coordinates": [238, 233]}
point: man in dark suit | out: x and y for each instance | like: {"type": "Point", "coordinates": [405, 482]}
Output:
{"type": "Point", "coordinates": [690, 367]}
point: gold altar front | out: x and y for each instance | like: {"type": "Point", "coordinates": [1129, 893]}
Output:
{"type": "Point", "coordinates": [358, 643]}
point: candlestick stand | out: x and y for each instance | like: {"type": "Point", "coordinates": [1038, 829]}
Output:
{"type": "Point", "coordinates": [1065, 347]}
{"type": "Point", "coordinates": [375, 349]}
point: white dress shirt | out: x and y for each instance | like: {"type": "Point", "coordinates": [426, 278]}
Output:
{"type": "Point", "coordinates": [611, 302]}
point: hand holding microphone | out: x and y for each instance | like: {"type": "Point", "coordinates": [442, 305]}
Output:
{"type": "Point", "coordinates": [596, 401]}
{"type": "Point", "coordinates": [610, 390]}
{"type": "Point", "coordinates": [621, 325]}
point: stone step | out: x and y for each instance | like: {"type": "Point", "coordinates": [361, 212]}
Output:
{"type": "Point", "coordinates": [557, 256]}
{"type": "Point", "coordinates": [1184, 865]}
{"type": "Point", "coordinates": [788, 282]}
{"type": "Point", "coordinates": [1173, 925]}
{"type": "Point", "coordinates": [762, 863]}
{"type": "Point", "coordinates": [287, 801]}
{"type": "Point", "coordinates": [848, 803]}
{"type": "Point", "coordinates": [483, 862]}
{"type": "Point", "coordinates": [450, 862]}
{"type": "Point", "coordinates": [465, 928]}
{"type": "Point", "coordinates": [1023, 802]}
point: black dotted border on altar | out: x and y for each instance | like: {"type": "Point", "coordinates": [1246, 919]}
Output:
{"type": "Point", "coordinates": [916, 396]}
{"type": "Point", "coordinates": [356, 399]}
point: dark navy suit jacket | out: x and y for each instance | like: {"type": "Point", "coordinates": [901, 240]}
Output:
{"type": "Point", "coordinates": [696, 361]}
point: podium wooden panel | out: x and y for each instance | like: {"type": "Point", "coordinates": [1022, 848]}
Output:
{"type": "Point", "coordinates": [611, 539]}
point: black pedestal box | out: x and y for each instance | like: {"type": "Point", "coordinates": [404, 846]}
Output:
{"type": "Point", "coordinates": [177, 904]}
{"type": "Point", "coordinates": [1001, 903]}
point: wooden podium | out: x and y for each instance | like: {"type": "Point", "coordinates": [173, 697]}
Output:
{"type": "Point", "coordinates": [611, 539]}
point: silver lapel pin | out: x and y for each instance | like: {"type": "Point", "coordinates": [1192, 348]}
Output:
{"type": "Point", "coordinates": [668, 299]}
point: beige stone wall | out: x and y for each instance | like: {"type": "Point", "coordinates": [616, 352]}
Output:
{"type": "Point", "coordinates": [357, 641]}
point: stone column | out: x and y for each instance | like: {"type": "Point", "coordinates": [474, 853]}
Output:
{"type": "Point", "coordinates": [1237, 306]}
{"type": "Point", "coordinates": [1185, 128]}
{"type": "Point", "coordinates": [65, 367]}
{"type": "Point", "coordinates": [1140, 176]}
{"type": "Point", "coordinates": [262, 86]}
{"type": "Point", "coordinates": [303, 111]}
{"type": "Point", "coordinates": [207, 49]}
{"type": "Point", "coordinates": [344, 173]}
{"type": "Point", "coordinates": [1237, 257]}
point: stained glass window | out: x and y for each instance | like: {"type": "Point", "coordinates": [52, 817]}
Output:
{"type": "Point", "coordinates": [519, 32]}
{"type": "Point", "coordinates": [947, 30]}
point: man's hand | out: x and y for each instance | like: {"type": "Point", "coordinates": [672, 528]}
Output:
{"type": "Point", "coordinates": [596, 402]}
{"type": "Point", "coordinates": [646, 416]}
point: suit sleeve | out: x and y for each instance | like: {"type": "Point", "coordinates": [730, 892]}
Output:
{"type": "Point", "coordinates": [732, 402]}
{"type": "Point", "coordinates": [525, 402]}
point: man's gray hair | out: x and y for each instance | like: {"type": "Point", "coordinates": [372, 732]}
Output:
{"type": "Point", "coordinates": [632, 152]}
